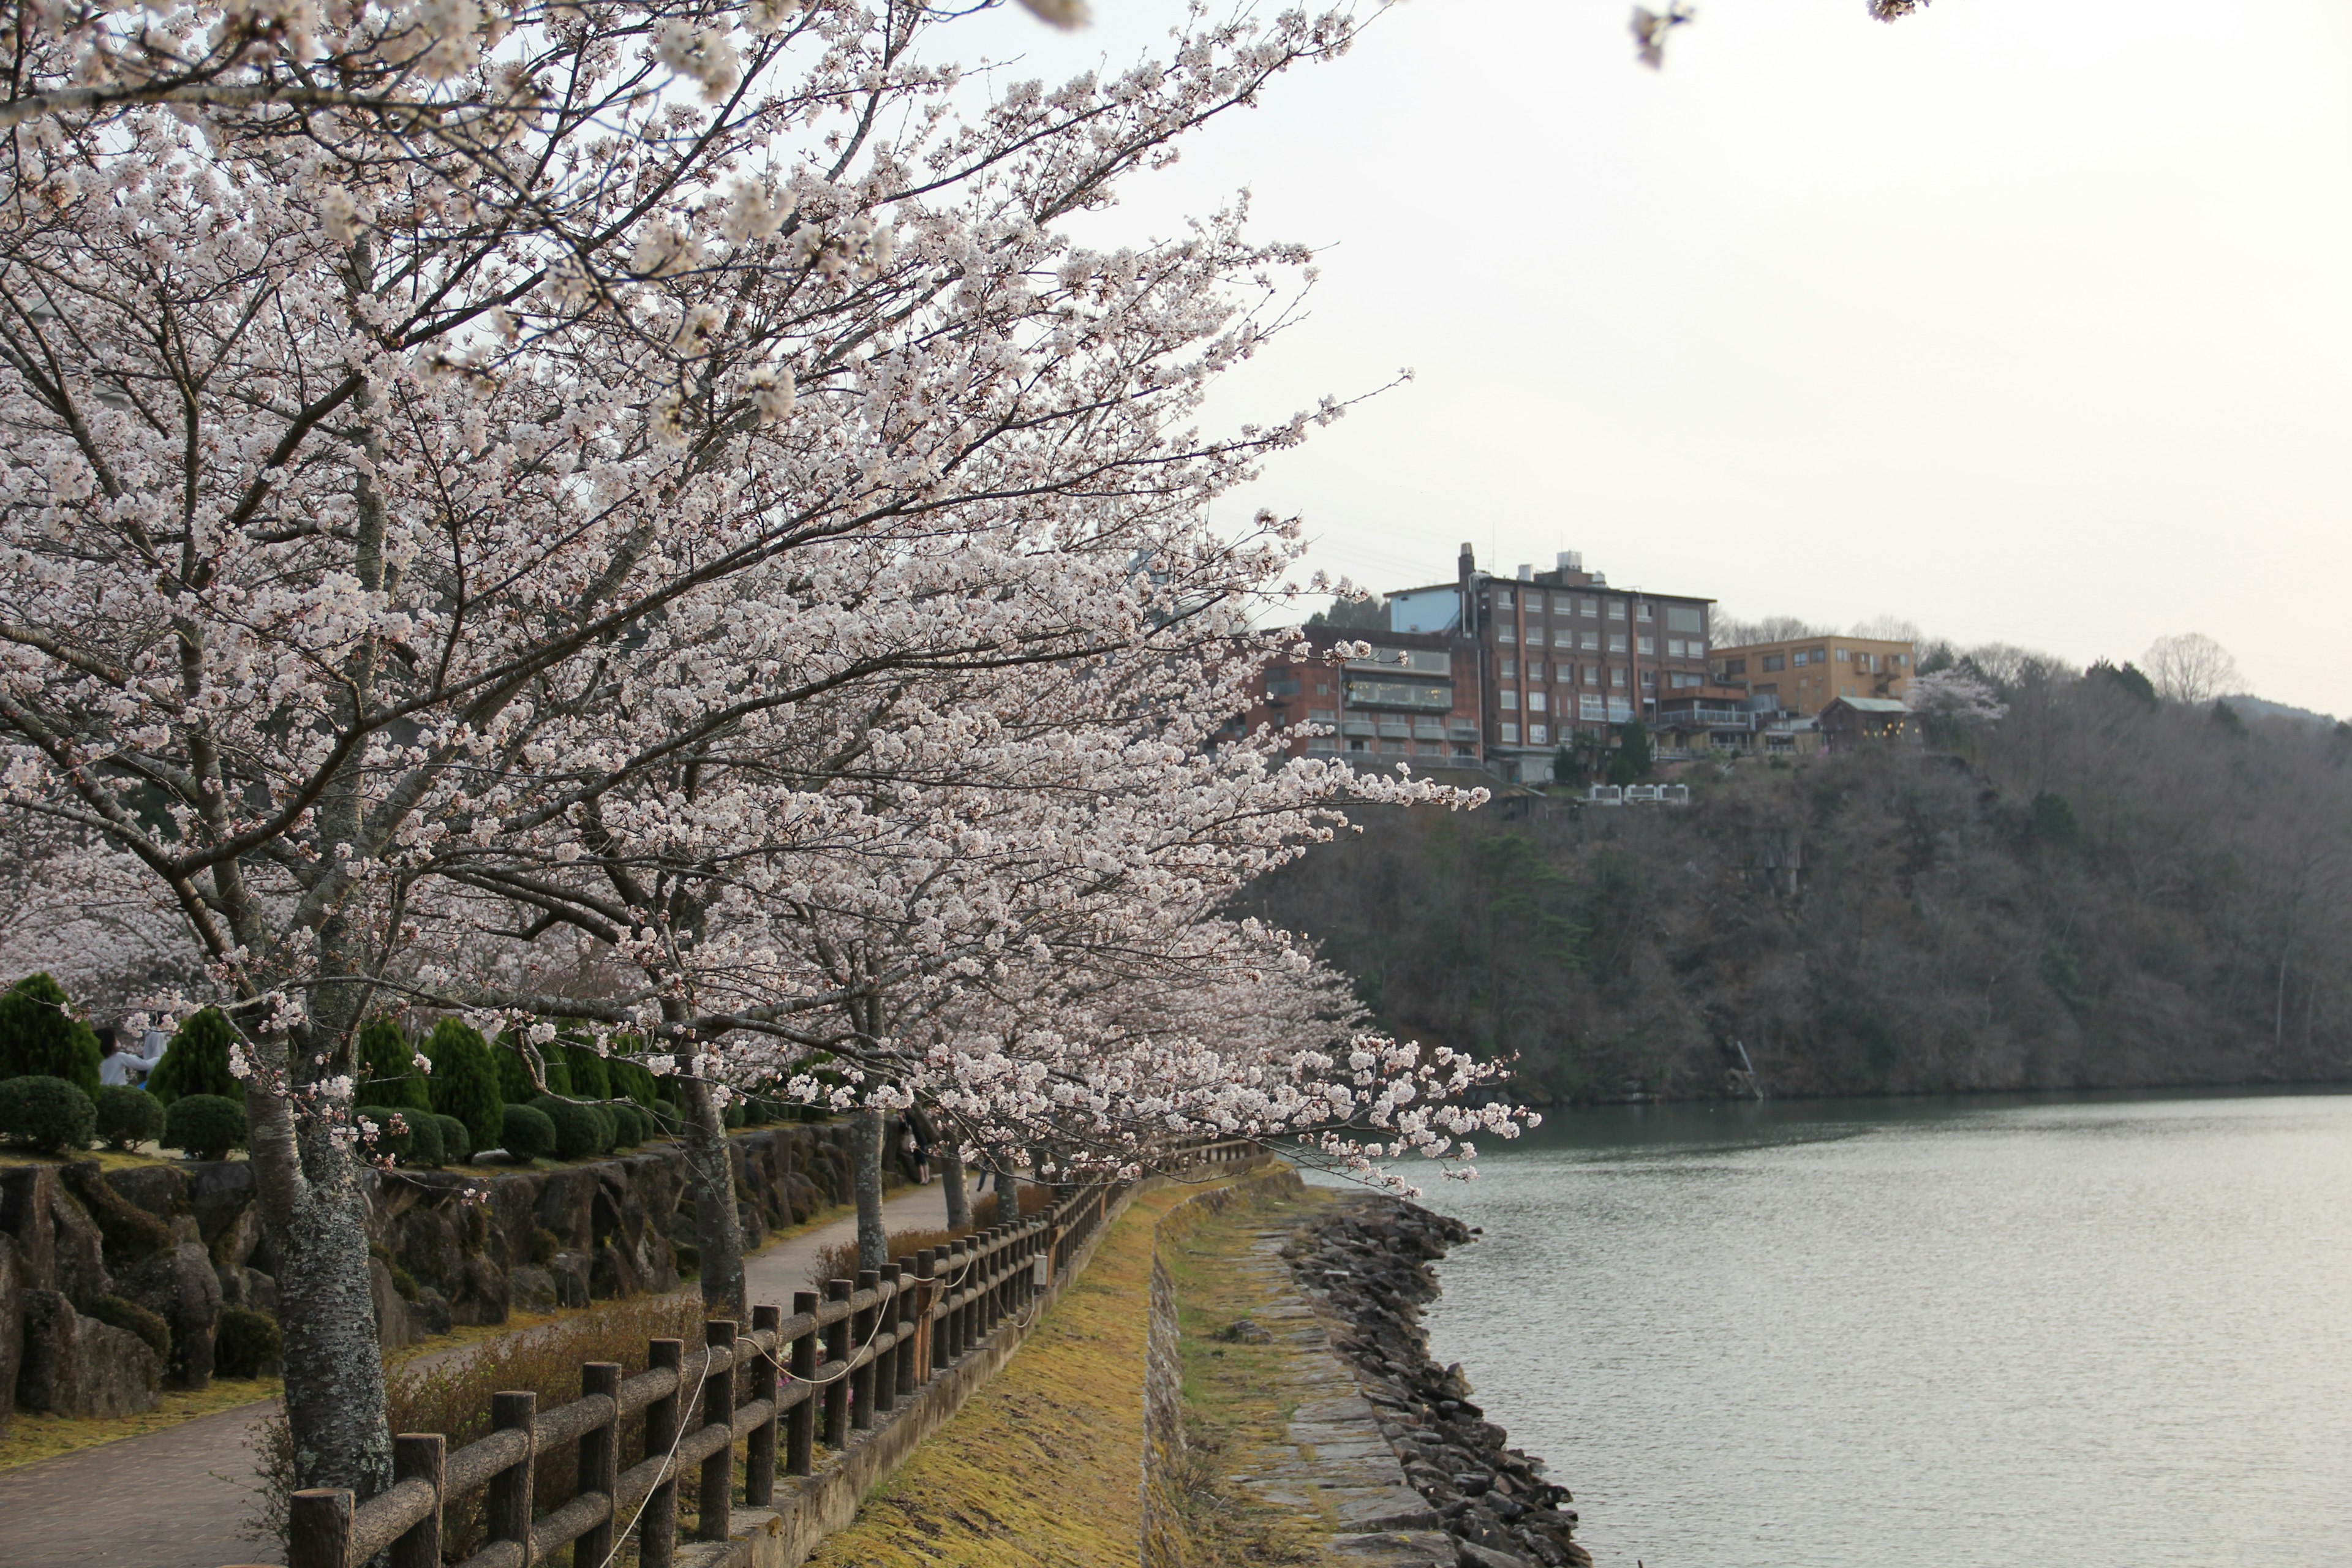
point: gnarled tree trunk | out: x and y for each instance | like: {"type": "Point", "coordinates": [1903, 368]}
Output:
{"type": "Point", "coordinates": [873, 1239]}
{"type": "Point", "coordinates": [710, 1170]}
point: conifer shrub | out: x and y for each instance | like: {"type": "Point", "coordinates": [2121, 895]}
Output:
{"type": "Point", "coordinates": [131, 1318]}
{"type": "Point", "coordinates": [40, 1038]}
{"type": "Point", "coordinates": [465, 1082]}
{"type": "Point", "coordinates": [204, 1126]}
{"type": "Point", "coordinates": [628, 1124]}
{"type": "Point", "coordinates": [457, 1144]}
{"type": "Point", "coordinates": [246, 1344]}
{"type": "Point", "coordinates": [389, 1074]}
{"type": "Point", "coordinates": [575, 1127]}
{"type": "Point", "coordinates": [514, 1073]}
{"type": "Point", "coordinates": [197, 1060]}
{"type": "Point", "coordinates": [127, 1117]}
{"type": "Point", "coordinates": [527, 1134]}
{"type": "Point", "coordinates": [46, 1114]}
{"type": "Point", "coordinates": [631, 1079]}
{"type": "Point", "coordinates": [591, 1076]}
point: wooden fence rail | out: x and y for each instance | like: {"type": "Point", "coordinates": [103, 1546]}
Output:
{"type": "Point", "coordinates": [830, 1368]}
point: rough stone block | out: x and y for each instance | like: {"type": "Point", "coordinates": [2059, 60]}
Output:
{"type": "Point", "coordinates": [181, 1288]}
{"type": "Point", "coordinates": [79, 1366]}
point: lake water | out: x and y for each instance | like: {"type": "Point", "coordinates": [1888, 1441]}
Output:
{"type": "Point", "coordinates": [1906, 1334]}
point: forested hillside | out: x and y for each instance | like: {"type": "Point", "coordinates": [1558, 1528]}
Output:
{"type": "Point", "coordinates": [2098, 889]}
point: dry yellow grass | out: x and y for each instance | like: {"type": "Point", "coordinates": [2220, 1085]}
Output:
{"type": "Point", "coordinates": [33, 1438]}
{"type": "Point", "coordinates": [1044, 1465]}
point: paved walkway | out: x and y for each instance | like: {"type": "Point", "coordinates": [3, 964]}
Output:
{"type": "Point", "coordinates": [179, 1498]}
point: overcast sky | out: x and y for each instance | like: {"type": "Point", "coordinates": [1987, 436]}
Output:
{"type": "Point", "coordinates": [2025, 320]}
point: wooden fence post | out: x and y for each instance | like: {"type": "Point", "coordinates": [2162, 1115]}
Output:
{"type": "Point", "coordinates": [508, 1512]}
{"type": "Point", "coordinates": [600, 1464]}
{"type": "Point", "coordinates": [836, 1350]}
{"type": "Point", "coordinates": [909, 1294]}
{"type": "Point", "coordinates": [319, 1528]}
{"type": "Point", "coordinates": [928, 1337]}
{"type": "Point", "coordinates": [886, 1366]}
{"type": "Point", "coordinates": [800, 1433]}
{"type": "Point", "coordinates": [760, 1453]}
{"type": "Point", "coordinates": [658, 1533]}
{"type": "Point", "coordinates": [420, 1457]}
{"type": "Point", "coordinates": [717, 1493]}
{"type": "Point", "coordinates": [861, 1382]}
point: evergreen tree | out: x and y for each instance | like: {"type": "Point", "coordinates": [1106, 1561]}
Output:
{"type": "Point", "coordinates": [39, 1036]}
{"type": "Point", "coordinates": [388, 1063]}
{"type": "Point", "coordinates": [466, 1081]}
{"type": "Point", "coordinates": [591, 1078]}
{"type": "Point", "coordinates": [1630, 764]}
{"type": "Point", "coordinates": [197, 1061]}
{"type": "Point", "coordinates": [515, 1086]}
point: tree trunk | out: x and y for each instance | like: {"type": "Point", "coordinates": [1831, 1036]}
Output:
{"type": "Point", "coordinates": [873, 1240]}
{"type": "Point", "coordinates": [951, 1178]}
{"type": "Point", "coordinates": [313, 1200]}
{"type": "Point", "coordinates": [717, 1231]}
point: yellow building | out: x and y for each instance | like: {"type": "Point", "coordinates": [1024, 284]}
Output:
{"type": "Point", "coordinates": [1806, 674]}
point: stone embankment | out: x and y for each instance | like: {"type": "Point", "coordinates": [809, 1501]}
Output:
{"type": "Point", "coordinates": [1367, 1263]}
{"type": "Point", "coordinates": [181, 1240]}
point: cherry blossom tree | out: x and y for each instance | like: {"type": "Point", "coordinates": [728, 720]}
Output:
{"type": "Point", "coordinates": [530, 512]}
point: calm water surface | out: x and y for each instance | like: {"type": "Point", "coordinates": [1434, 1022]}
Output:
{"type": "Point", "coordinates": [1932, 1335]}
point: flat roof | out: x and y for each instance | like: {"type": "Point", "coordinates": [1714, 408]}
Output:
{"type": "Point", "coordinates": [1808, 641]}
{"type": "Point", "coordinates": [1871, 704]}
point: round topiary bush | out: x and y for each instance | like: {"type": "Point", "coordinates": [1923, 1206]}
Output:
{"type": "Point", "coordinates": [419, 1141]}
{"type": "Point", "coordinates": [465, 1081]}
{"type": "Point", "coordinates": [40, 1038]}
{"type": "Point", "coordinates": [197, 1060]}
{"type": "Point", "coordinates": [628, 1125]}
{"type": "Point", "coordinates": [388, 1066]}
{"type": "Point", "coordinates": [457, 1144]}
{"type": "Point", "coordinates": [608, 1129]}
{"type": "Point", "coordinates": [128, 1117]}
{"type": "Point", "coordinates": [575, 1127]}
{"type": "Point", "coordinates": [245, 1343]}
{"type": "Point", "coordinates": [527, 1134]}
{"type": "Point", "coordinates": [204, 1126]}
{"type": "Point", "coordinates": [46, 1114]}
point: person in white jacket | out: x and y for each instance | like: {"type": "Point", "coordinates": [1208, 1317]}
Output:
{"type": "Point", "coordinates": [118, 1065]}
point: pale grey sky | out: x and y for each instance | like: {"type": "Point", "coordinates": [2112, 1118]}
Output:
{"type": "Point", "coordinates": [2026, 320]}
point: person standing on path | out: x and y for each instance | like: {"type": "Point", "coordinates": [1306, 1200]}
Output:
{"type": "Point", "coordinates": [118, 1065]}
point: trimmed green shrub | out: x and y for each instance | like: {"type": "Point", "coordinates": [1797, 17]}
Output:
{"type": "Point", "coordinates": [46, 1114]}
{"type": "Point", "coordinates": [514, 1073]}
{"type": "Point", "coordinates": [40, 1038]}
{"type": "Point", "coordinates": [628, 1124]}
{"type": "Point", "coordinates": [734, 1113]}
{"type": "Point", "coordinates": [245, 1343]}
{"type": "Point", "coordinates": [558, 1071]}
{"type": "Point", "coordinates": [465, 1081]}
{"type": "Point", "coordinates": [197, 1060]}
{"type": "Point", "coordinates": [207, 1126]}
{"type": "Point", "coordinates": [457, 1144]}
{"type": "Point", "coordinates": [132, 1318]}
{"type": "Point", "coordinates": [388, 1074]}
{"type": "Point", "coordinates": [419, 1144]}
{"type": "Point", "coordinates": [128, 1117]}
{"type": "Point", "coordinates": [631, 1079]}
{"type": "Point", "coordinates": [575, 1127]}
{"type": "Point", "coordinates": [592, 1075]}
{"type": "Point", "coordinates": [527, 1134]}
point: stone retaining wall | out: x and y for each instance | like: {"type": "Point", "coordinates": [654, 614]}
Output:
{"type": "Point", "coordinates": [183, 1240]}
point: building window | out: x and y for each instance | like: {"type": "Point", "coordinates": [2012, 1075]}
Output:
{"type": "Point", "coordinates": [1538, 735]}
{"type": "Point", "coordinates": [1686, 618]}
{"type": "Point", "coordinates": [1534, 702]}
{"type": "Point", "coordinates": [1510, 734]}
{"type": "Point", "coordinates": [1589, 707]}
{"type": "Point", "coordinates": [1617, 676]}
{"type": "Point", "coordinates": [1821, 656]}
{"type": "Point", "coordinates": [1323, 715]}
{"type": "Point", "coordinates": [1641, 612]}
{"type": "Point", "coordinates": [1898, 660]}
{"type": "Point", "coordinates": [1616, 609]}
{"type": "Point", "coordinates": [1503, 599]}
{"type": "Point", "coordinates": [1840, 656]}
{"type": "Point", "coordinates": [1505, 632]}
{"type": "Point", "coordinates": [1673, 648]}
{"type": "Point", "coordinates": [1616, 642]}
{"type": "Point", "coordinates": [1735, 666]}
{"type": "Point", "coordinates": [1647, 646]}
{"type": "Point", "coordinates": [1322, 688]}
{"type": "Point", "coordinates": [1593, 642]}
{"type": "Point", "coordinates": [1845, 691]}
{"type": "Point", "coordinates": [1510, 697]}
{"type": "Point", "coordinates": [1800, 658]}
{"type": "Point", "coordinates": [1649, 679]}
{"type": "Point", "coordinates": [1591, 675]}
{"type": "Point", "coordinates": [1563, 638]}
{"type": "Point", "coordinates": [1510, 669]}
{"type": "Point", "coordinates": [1683, 679]}
{"type": "Point", "coordinates": [1359, 745]}
{"type": "Point", "coordinates": [1534, 669]}
{"type": "Point", "coordinates": [1769, 662]}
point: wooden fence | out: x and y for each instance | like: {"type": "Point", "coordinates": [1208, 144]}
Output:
{"type": "Point", "coordinates": [830, 1369]}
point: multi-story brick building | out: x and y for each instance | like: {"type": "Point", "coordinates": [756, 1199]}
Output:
{"type": "Point", "coordinates": [1415, 699]}
{"type": "Point", "coordinates": [1559, 652]}
{"type": "Point", "coordinates": [1805, 674]}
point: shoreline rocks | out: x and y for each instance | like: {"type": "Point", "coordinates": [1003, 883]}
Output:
{"type": "Point", "coordinates": [1367, 1262]}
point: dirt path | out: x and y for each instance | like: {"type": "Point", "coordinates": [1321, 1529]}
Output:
{"type": "Point", "coordinates": [179, 1498]}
